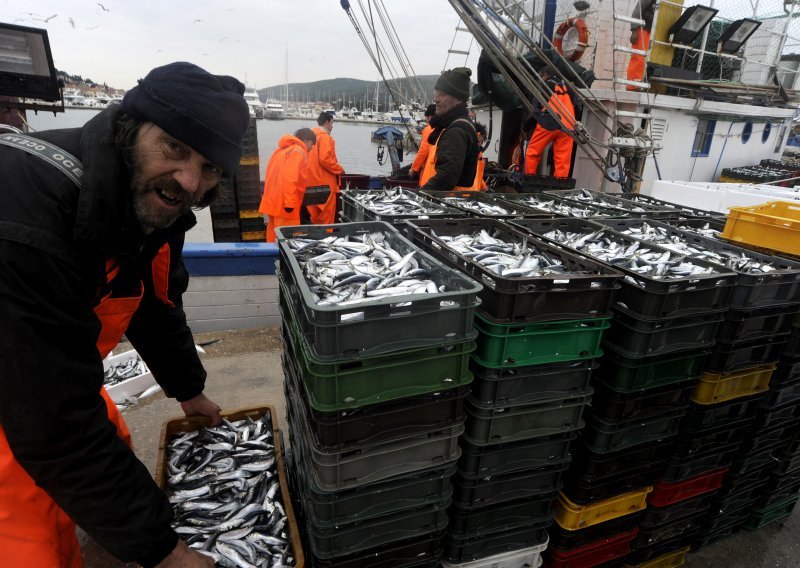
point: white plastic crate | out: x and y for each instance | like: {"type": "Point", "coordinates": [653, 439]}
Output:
{"type": "Point", "coordinates": [525, 558]}
{"type": "Point", "coordinates": [129, 387]}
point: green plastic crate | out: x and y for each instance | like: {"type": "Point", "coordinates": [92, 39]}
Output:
{"type": "Point", "coordinates": [518, 344]}
{"type": "Point", "coordinates": [631, 374]}
{"type": "Point", "coordinates": [762, 517]}
{"type": "Point", "coordinates": [355, 383]}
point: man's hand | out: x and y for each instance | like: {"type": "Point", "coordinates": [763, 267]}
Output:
{"type": "Point", "coordinates": [203, 406]}
{"type": "Point", "coordinates": [184, 557]}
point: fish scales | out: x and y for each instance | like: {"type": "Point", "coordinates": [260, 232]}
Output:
{"type": "Point", "coordinates": [236, 517]}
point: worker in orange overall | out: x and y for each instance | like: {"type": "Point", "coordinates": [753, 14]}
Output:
{"type": "Point", "coordinates": [286, 181]}
{"type": "Point", "coordinates": [640, 39]}
{"type": "Point", "coordinates": [551, 129]}
{"type": "Point", "coordinates": [424, 146]}
{"type": "Point", "coordinates": [480, 183]}
{"type": "Point", "coordinates": [324, 169]}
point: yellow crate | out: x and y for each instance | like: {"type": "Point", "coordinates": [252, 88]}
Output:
{"type": "Point", "coordinates": [572, 517]}
{"type": "Point", "coordinates": [250, 214]}
{"type": "Point", "coordinates": [774, 225]}
{"type": "Point", "coordinates": [715, 387]}
{"type": "Point", "coordinates": [730, 179]}
{"type": "Point", "coordinates": [254, 235]}
{"type": "Point", "coordinates": [669, 560]}
{"type": "Point", "coordinates": [249, 161]}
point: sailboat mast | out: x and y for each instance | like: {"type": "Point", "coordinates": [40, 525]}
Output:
{"type": "Point", "coordinates": [286, 77]}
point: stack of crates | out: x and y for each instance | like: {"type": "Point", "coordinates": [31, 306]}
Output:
{"type": "Point", "coordinates": [538, 338]}
{"type": "Point", "coordinates": [375, 403]}
{"type": "Point", "coordinates": [653, 355]}
{"type": "Point", "coordinates": [234, 215]}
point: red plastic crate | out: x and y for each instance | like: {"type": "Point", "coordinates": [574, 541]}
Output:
{"type": "Point", "coordinates": [592, 554]}
{"type": "Point", "coordinates": [665, 493]}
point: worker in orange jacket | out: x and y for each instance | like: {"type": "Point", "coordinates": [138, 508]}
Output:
{"type": "Point", "coordinates": [640, 39]}
{"type": "Point", "coordinates": [480, 183]}
{"type": "Point", "coordinates": [286, 181]}
{"type": "Point", "coordinates": [324, 169]}
{"type": "Point", "coordinates": [424, 145]}
{"type": "Point", "coordinates": [549, 129]}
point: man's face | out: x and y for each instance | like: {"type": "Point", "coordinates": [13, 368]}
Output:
{"type": "Point", "coordinates": [444, 102]}
{"type": "Point", "coordinates": [169, 177]}
{"type": "Point", "coordinates": [329, 125]}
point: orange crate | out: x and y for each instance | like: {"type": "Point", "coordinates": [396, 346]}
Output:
{"type": "Point", "coordinates": [774, 225]}
{"type": "Point", "coordinates": [192, 423]}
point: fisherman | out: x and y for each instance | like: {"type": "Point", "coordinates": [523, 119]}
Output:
{"type": "Point", "coordinates": [324, 169]}
{"type": "Point", "coordinates": [640, 39]}
{"type": "Point", "coordinates": [92, 225]}
{"type": "Point", "coordinates": [480, 183]}
{"type": "Point", "coordinates": [286, 181]}
{"type": "Point", "coordinates": [551, 129]}
{"type": "Point", "coordinates": [453, 154]}
{"type": "Point", "coordinates": [424, 146]}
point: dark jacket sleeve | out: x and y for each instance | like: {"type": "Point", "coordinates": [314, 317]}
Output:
{"type": "Point", "coordinates": [451, 151]}
{"type": "Point", "coordinates": [161, 336]}
{"type": "Point", "coordinates": [54, 417]}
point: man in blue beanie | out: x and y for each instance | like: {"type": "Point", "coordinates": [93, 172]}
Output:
{"type": "Point", "coordinates": [92, 225]}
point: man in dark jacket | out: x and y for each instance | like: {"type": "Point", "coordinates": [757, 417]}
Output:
{"type": "Point", "coordinates": [89, 251]}
{"type": "Point", "coordinates": [453, 151]}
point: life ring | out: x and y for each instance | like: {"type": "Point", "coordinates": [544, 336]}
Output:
{"type": "Point", "coordinates": [569, 28]}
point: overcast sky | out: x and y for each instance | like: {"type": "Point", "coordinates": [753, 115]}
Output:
{"type": "Point", "coordinates": [119, 41]}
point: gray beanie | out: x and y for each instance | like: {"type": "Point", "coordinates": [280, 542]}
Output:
{"type": "Point", "coordinates": [207, 112]}
{"type": "Point", "coordinates": [455, 82]}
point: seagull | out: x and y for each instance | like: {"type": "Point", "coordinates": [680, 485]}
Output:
{"type": "Point", "coordinates": [103, 7]}
{"type": "Point", "coordinates": [197, 20]}
{"type": "Point", "coordinates": [159, 50]}
{"type": "Point", "coordinates": [223, 39]}
{"type": "Point", "coordinates": [45, 20]}
{"type": "Point", "coordinates": [206, 54]}
{"type": "Point", "coordinates": [93, 28]}
{"type": "Point", "coordinates": [72, 22]}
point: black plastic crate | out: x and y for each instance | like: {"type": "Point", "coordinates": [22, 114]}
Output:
{"type": "Point", "coordinates": [761, 439]}
{"type": "Point", "coordinates": [583, 491]}
{"type": "Point", "coordinates": [589, 465]}
{"type": "Point", "coordinates": [636, 337]}
{"type": "Point", "coordinates": [584, 290]}
{"type": "Point", "coordinates": [462, 200]}
{"type": "Point", "coordinates": [472, 493]}
{"type": "Point", "coordinates": [600, 199]}
{"type": "Point", "coordinates": [642, 554]}
{"type": "Point", "coordinates": [521, 385]}
{"type": "Point", "coordinates": [787, 464]}
{"type": "Point", "coordinates": [764, 459]}
{"type": "Point", "coordinates": [744, 325]}
{"type": "Point", "coordinates": [782, 483]}
{"type": "Point", "coordinates": [771, 497]}
{"type": "Point", "coordinates": [566, 540]}
{"type": "Point", "coordinates": [609, 436]}
{"type": "Point", "coordinates": [709, 228]}
{"type": "Point", "coordinates": [354, 207]}
{"type": "Point", "coordinates": [254, 224]}
{"type": "Point", "coordinates": [779, 396]}
{"type": "Point", "coordinates": [701, 417]}
{"type": "Point", "coordinates": [386, 324]}
{"type": "Point", "coordinates": [611, 405]}
{"type": "Point", "coordinates": [707, 538]}
{"type": "Point", "coordinates": [729, 357]}
{"type": "Point", "coordinates": [382, 422]}
{"type": "Point", "coordinates": [476, 547]}
{"type": "Point", "coordinates": [421, 552]}
{"type": "Point", "coordinates": [656, 516]}
{"type": "Point", "coordinates": [711, 440]}
{"type": "Point", "coordinates": [679, 468]}
{"type": "Point", "coordinates": [743, 497]}
{"type": "Point", "coordinates": [752, 290]}
{"type": "Point", "coordinates": [650, 298]}
{"type": "Point", "coordinates": [792, 347]}
{"type": "Point", "coordinates": [771, 417]}
{"type": "Point", "coordinates": [651, 535]}
{"type": "Point", "coordinates": [632, 374]}
{"type": "Point", "coordinates": [482, 461]}
{"type": "Point", "coordinates": [247, 176]}
{"type": "Point", "coordinates": [553, 206]}
{"type": "Point", "coordinates": [676, 209]}
{"type": "Point", "coordinates": [547, 182]}
{"type": "Point", "coordinates": [788, 371]}
{"type": "Point", "coordinates": [472, 522]}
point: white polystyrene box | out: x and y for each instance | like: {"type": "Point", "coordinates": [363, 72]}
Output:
{"type": "Point", "coordinates": [129, 387]}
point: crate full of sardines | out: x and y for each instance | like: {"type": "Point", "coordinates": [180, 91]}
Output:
{"type": "Point", "coordinates": [393, 206]}
{"type": "Point", "coordinates": [228, 487]}
{"type": "Point", "coordinates": [363, 289]}
{"type": "Point", "coordinates": [126, 375]}
{"type": "Point", "coordinates": [524, 277]}
{"type": "Point", "coordinates": [480, 204]}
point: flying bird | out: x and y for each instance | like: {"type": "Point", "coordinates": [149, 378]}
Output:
{"type": "Point", "coordinates": [46, 19]}
{"type": "Point", "coordinates": [197, 20]}
{"type": "Point", "coordinates": [159, 50]}
{"type": "Point", "coordinates": [223, 39]}
{"type": "Point", "coordinates": [103, 7]}
{"type": "Point", "coordinates": [93, 28]}
{"type": "Point", "coordinates": [72, 22]}
{"type": "Point", "coordinates": [206, 54]}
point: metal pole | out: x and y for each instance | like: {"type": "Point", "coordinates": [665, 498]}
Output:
{"type": "Point", "coordinates": [705, 40]}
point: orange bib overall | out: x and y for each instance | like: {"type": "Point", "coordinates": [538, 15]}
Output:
{"type": "Point", "coordinates": [34, 530]}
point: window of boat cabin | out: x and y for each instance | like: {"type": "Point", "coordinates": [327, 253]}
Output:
{"type": "Point", "coordinates": [747, 132]}
{"type": "Point", "coordinates": [766, 132]}
{"type": "Point", "coordinates": [703, 137]}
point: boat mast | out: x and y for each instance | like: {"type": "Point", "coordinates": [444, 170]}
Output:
{"type": "Point", "coordinates": [286, 77]}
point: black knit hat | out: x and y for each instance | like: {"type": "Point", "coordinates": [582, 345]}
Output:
{"type": "Point", "coordinates": [455, 82]}
{"type": "Point", "coordinates": [207, 112]}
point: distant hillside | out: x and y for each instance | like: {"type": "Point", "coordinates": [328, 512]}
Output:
{"type": "Point", "coordinates": [345, 92]}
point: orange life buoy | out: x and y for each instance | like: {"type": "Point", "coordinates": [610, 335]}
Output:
{"type": "Point", "coordinates": [577, 32]}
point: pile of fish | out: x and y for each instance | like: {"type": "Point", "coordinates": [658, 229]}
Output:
{"type": "Point", "coordinates": [562, 207]}
{"type": "Point", "coordinates": [398, 201]}
{"type": "Point", "coordinates": [480, 207]}
{"type": "Point", "coordinates": [511, 260]}
{"type": "Point", "coordinates": [636, 198]}
{"type": "Point", "coordinates": [359, 268]}
{"type": "Point", "coordinates": [705, 230]}
{"type": "Point", "coordinates": [602, 245]}
{"type": "Point", "coordinates": [127, 369]}
{"type": "Point", "coordinates": [223, 486]}
{"type": "Point", "coordinates": [737, 261]}
{"type": "Point", "coordinates": [587, 196]}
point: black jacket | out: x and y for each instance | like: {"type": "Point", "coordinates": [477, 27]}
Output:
{"type": "Point", "coordinates": [54, 239]}
{"type": "Point", "coordinates": [456, 150]}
